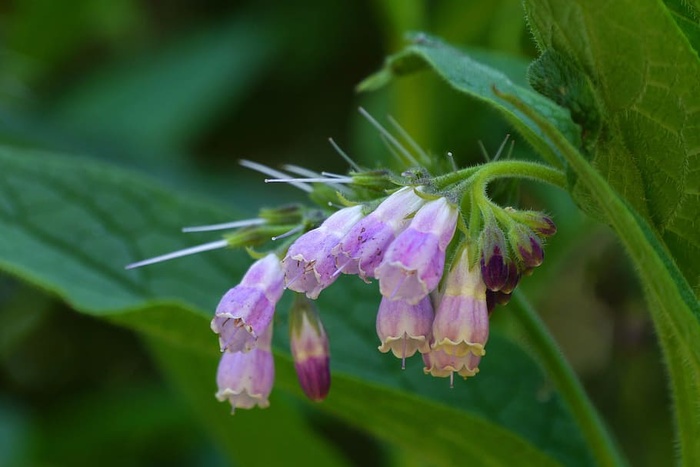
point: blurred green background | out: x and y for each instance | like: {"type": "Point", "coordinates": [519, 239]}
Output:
{"type": "Point", "coordinates": [180, 91]}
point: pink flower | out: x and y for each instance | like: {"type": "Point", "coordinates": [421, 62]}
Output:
{"type": "Point", "coordinates": [362, 249]}
{"type": "Point", "coordinates": [245, 378]}
{"type": "Point", "coordinates": [440, 364]}
{"type": "Point", "coordinates": [246, 310]}
{"type": "Point", "coordinates": [404, 328]}
{"type": "Point", "coordinates": [309, 266]}
{"type": "Point", "coordinates": [414, 262]}
{"type": "Point", "coordinates": [461, 323]}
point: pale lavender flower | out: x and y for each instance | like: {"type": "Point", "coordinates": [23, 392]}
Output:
{"type": "Point", "coordinates": [245, 378]}
{"type": "Point", "coordinates": [404, 328]}
{"type": "Point", "coordinates": [309, 266]}
{"type": "Point", "coordinates": [440, 364]}
{"type": "Point", "coordinates": [414, 262]}
{"type": "Point", "coordinates": [246, 310]}
{"type": "Point", "coordinates": [309, 345]}
{"type": "Point", "coordinates": [461, 323]}
{"type": "Point", "coordinates": [362, 249]}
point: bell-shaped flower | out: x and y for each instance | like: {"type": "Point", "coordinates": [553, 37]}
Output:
{"type": "Point", "coordinates": [309, 345]}
{"type": "Point", "coordinates": [362, 249]}
{"type": "Point", "coordinates": [404, 328]}
{"type": "Point", "coordinates": [414, 262]}
{"type": "Point", "coordinates": [309, 266]}
{"type": "Point", "coordinates": [245, 378]}
{"type": "Point", "coordinates": [246, 310]}
{"type": "Point", "coordinates": [440, 364]}
{"type": "Point", "coordinates": [461, 323]}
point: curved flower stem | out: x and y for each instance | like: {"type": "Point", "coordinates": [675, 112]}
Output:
{"type": "Point", "coordinates": [597, 436]}
{"type": "Point", "coordinates": [484, 173]}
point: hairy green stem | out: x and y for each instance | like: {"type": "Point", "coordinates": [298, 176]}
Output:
{"type": "Point", "coordinates": [484, 173]}
{"type": "Point", "coordinates": [568, 384]}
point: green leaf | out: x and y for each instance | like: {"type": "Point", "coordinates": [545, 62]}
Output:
{"type": "Point", "coordinates": [70, 225]}
{"type": "Point", "coordinates": [645, 75]}
{"type": "Point", "coordinates": [674, 308]}
{"type": "Point", "coordinates": [687, 17]}
{"type": "Point", "coordinates": [477, 80]}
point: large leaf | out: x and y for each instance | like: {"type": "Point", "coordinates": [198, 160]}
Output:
{"type": "Point", "coordinates": [645, 74]}
{"type": "Point", "coordinates": [69, 226]}
{"type": "Point", "coordinates": [472, 77]}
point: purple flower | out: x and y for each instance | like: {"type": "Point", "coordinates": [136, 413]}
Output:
{"type": "Point", "coordinates": [246, 310]}
{"type": "Point", "coordinates": [461, 323]}
{"type": "Point", "coordinates": [527, 246]}
{"type": "Point", "coordinates": [362, 249]}
{"type": "Point", "coordinates": [494, 266]}
{"type": "Point", "coordinates": [413, 263]}
{"type": "Point", "coordinates": [404, 328]}
{"type": "Point", "coordinates": [309, 266]}
{"type": "Point", "coordinates": [245, 378]}
{"type": "Point", "coordinates": [440, 364]}
{"type": "Point", "coordinates": [309, 345]}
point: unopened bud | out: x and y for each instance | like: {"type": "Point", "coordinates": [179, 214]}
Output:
{"type": "Point", "coordinates": [309, 345]}
{"type": "Point", "coordinates": [494, 266]}
{"type": "Point", "coordinates": [527, 245]}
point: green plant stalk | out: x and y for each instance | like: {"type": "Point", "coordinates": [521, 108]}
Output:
{"type": "Point", "coordinates": [673, 306]}
{"type": "Point", "coordinates": [568, 384]}
{"type": "Point", "coordinates": [484, 173]}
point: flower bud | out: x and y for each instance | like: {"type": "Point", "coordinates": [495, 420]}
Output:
{"type": "Point", "coordinates": [527, 245]}
{"type": "Point", "coordinates": [513, 278]}
{"type": "Point", "coordinates": [404, 328]}
{"type": "Point", "coordinates": [494, 260]}
{"type": "Point", "coordinates": [537, 221]}
{"type": "Point", "coordinates": [461, 321]}
{"type": "Point", "coordinates": [309, 266]}
{"type": "Point", "coordinates": [309, 345]}
{"type": "Point", "coordinates": [362, 249]}
{"type": "Point", "coordinates": [245, 378]}
{"type": "Point", "coordinates": [246, 310]}
{"type": "Point", "coordinates": [413, 264]}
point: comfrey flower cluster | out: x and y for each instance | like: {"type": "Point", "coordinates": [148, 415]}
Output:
{"type": "Point", "coordinates": [443, 254]}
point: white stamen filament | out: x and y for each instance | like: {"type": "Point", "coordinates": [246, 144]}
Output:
{"type": "Point", "coordinates": [295, 169]}
{"type": "Point", "coordinates": [224, 226]}
{"type": "Point", "coordinates": [409, 157]}
{"type": "Point", "coordinates": [309, 180]}
{"type": "Point", "coordinates": [408, 138]}
{"type": "Point", "coordinates": [179, 253]}
{"type": "Point", "coordinates": [452, 379]}
{"type": "Point", "coordinates": [289, 233]}
{"type": "Point", "coordinates": [403, 353]}
{"type": "Point", "coordinates": [343, 155]}
{"type": "Point", "coordinates": [274, 173]}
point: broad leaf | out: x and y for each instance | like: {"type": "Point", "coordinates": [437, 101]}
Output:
{"type": "Point", "coordinates": [645, 75]}
{"type": "Point", "coordinates": [69, 227]}
{"type": "Point", "coordinates": [469, 76]}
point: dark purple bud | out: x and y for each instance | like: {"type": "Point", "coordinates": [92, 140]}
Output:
{"type": "Point", "coordinates": [546, 227]}
{"type": "Point", "coordinates": [490, 301]}
{"type": "Point", "coordinates": [309, 345]}
{"type": "Point", "coordinates": [513, 278]}
{"type": "Point", "coordinates": [527, 245]}
{"type": "Point", "coordinates": [502, 298]}
{"type": "Point", "coordinates": [533, 255]}
{"type": "Point", "coordinates": [494, 265]}
{"type": "Point", "coordinates": [537, 221]}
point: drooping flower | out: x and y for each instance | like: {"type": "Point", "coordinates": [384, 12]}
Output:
{"type": "Point", "coordinates": [461, 323]}
{"type": "Point", "coordinates": [246, 310]}
{"type": "Point", "coordinates": [442, 365]}
{"type": "Point", "coordinates": [414, 262]}
{"type": "Point", "coordinates": [362, 249]}
{"type": "Point", "coordinates": [245, 378]}
{"type": "Point", "coordinates": [309, 266]}
{"type": "Point", "coordinates": [404, 328]}
{"type": "Point", "coordinates": [309, 345]}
